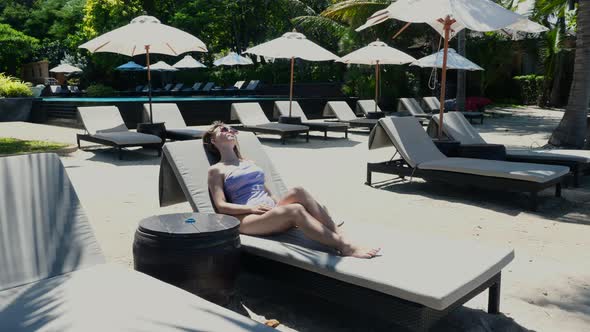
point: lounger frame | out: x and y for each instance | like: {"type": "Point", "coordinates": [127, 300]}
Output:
{"type": "Point", "coordinates": [577, 168]}
{"type": "Point", "coordinates": [283, 134]}
{"type": "Point", "coordinates": [402, 169]}
{"type": "Point", "coordinates": [118, 147]}
{"type": "Point", "coordinates": [397, 311]}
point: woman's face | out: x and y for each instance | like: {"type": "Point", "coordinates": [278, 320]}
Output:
{"type": "Point", "coordinates": [224, 136]}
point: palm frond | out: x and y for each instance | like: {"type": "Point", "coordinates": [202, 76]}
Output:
{"type": "Point", "coordinates": [299, 7]}
{"type": "Point", "coordinates": [353, 12]}
{"type": "Point", "coordinates": [319, 25]}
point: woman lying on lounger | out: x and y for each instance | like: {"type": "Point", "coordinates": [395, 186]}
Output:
{"type": "Point", "coordinates": [237, 188]}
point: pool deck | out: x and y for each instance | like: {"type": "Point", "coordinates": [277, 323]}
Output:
{"type": "Point", "coordinates": [546, 287]}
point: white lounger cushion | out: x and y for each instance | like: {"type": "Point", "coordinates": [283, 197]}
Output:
{"type": "Point", "coordinates": [456, 126]}
{"type": "Point", "coordinates": [167, 113]}
{"type": "Point", "coordinates": [101, 119]}
{"type": "Point", "coordinates": [501, 169]}
{"type": "Point", "coordinates": [582, 156]}
{"type": "Point", "coordinates": [112, 298]}
{"type": "Point", "coordinates": [366, 106]}
{"type": "Point", "coordinates": [282, 108]}
{"type": "Point", "coordinates": [249, 114]}
{"type": "Point", "coordinates": [410, 105]}
{"type": "Point", "coordinates": [340, 109]}
{"type": "Point", "coordinates": [128, 137]}
{"type": "Point", "coordinates": [437, 273]}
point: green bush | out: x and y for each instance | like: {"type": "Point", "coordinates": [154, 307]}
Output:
{"type": "Point", "coordinates": [100, 90]}
{"type": "Point", "coordinates": [530, 88]}
{"type": "Point", "coordinates": [13, 87]}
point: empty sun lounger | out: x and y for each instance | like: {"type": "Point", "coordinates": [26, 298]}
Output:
{"type": "Point", "coordinates": [415, 283]}
{"type": "Point", "coordinates": [344, 113]}
{"type": "Point", "coordinates": [458, 128]}
{"type": "Point", "coordinates": [54, 276]}
{"type": "Point", "coordinates": [253, 119]}
{"type": "Point", "coordinates": [208, 87]}
{"type": "Point", "coordinates": [282, 109]}
{"type": "Point", "coordinates": [177, 87]}
{"type": "Point", "coordinates": [176, 128]}
{"type": "Point", "coordinates": [104, 125]}
{"type": "Point", "coordinates": [412, 106]}
{"type": "Point", "coordinates": [366, 107]}
{"type": "Point", "coordinates": [433, 105]}
{"type": "Point", "coordinates": [194, 88]}
{"type": "Point", "coordinates": [253, 85]}
{"type": "Point", "coordinates": [420, 158]}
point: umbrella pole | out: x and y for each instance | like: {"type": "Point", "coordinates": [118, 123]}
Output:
{"type": "Point", "coordinates": [443, 85]}
{"type": "Point", "coordinates": [147, 55]}
{"type": "Point", "coordinates": [291, 86]}
{"type": "Point", "coordinates": [376, 84]}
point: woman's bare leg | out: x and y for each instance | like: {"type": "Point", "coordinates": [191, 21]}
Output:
{"type": "Point", "coordinates": [303, 197]}
{"type": "Point", "coordinates": [282, 218]}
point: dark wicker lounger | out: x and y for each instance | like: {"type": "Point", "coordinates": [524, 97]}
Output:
{"type": "Point", "coordinates": [282, 109]}
{"type": "Point", "coordinates": [104, 125]}
{"type": "Point", "coordinates": [421, 158]}
{"type": "Point", "coordinates": [344, 114]}
{"type": "Point", "coordinates": [176, 128]}
{"type": "Point", "coordinates": [54, 276]}
{"type": "Point", "coordinates": [414, 284]}
{"type": "Point", "coordinates": [254, 120]}
{"type": "Point", "coordinates": [458, 128]}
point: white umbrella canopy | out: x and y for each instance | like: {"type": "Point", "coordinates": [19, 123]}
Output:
{"type": "Point", "coordinates": [145, 35]}
{"type": "Point", "coordinates": [292, 45]}
{"type": "Point", "coordinates": [162, 66]}
{"type": "Point", "coordinates": [66, 69]}
{"type": "Point", "coordinates": [377, 53]}
{"type": "Point", "coordinates": [454, 61]}
{"type": "Point", "coordinates": [233, 59]}
{"type": "Point", "coordinates": [188, 62]}
{"type": "Point", "coordinates": [448, 17]}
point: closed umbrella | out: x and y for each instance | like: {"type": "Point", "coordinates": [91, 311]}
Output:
{"type": "Point", "coordinates": [145, 35]}
{"type": "Point", "coordinates": [64, 68]}
{"type": "Point", "coordinates": [377, 53]}
{"type": "Point", "coordinates": [448, 17]}
{"type": "Point", "coordinates": [292, 45]}
{"type": "Point", "coordinates": [233, 59]}
{"type": "Point", "coordinates": [188, 62]}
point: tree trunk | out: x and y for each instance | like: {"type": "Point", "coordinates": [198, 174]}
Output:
{"type": "Point", "coordinates": [571, 131]}
{"type": "Point", "coordinates": [461, 75]}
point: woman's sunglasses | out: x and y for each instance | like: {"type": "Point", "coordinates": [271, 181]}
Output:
{"type": "Point", "coordinates": [227, 130]}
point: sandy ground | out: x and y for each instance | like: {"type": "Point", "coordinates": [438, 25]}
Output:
{"type": "Point", "coordinates": [546, 288]}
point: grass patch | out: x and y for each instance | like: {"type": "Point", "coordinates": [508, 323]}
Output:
{"type": "Point", "coordinates": [15, 146]}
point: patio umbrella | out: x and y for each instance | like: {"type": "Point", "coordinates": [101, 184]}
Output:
{"type": "Point", "coordinates": [448, 17]}
{"type": "Point", "coordinates": [454, 61]}
{"type": "Point", "coordinates": [233, 59]}
{"type": "Point", "coordinates": [130, 66]}
{"type": "Point", "coordinates": [145, 35]}
{"type": "Point", "coordinates": [64, 68]}
{"type": "Point", "coordinates": [377, 53]}
{"type": "Point", "coordinates": [188, 62]}
{"type": "Point", "coordinates": [162, 66]}
{"type": "Point", "coordinates": [292, 45]}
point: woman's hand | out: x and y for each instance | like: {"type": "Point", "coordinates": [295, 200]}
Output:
{"type": "Point", "coordinates": [260, 209]}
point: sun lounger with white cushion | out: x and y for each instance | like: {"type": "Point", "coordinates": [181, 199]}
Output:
{"type": "Point", "coordinates": [421, 158]}
{"type": "Point", "coordinates": [53, 275]}
{"type": "Point", "coordinates": [458, 128]}
{"type": "Point", "coordinates": [433, 104]}
{"type": "Point", "coordinates": [282, 109]}
{"type": "Point", "coordinates": [344, 113]}
{"type": "Point", "coordinates": [416, 282]}
{"type": "Point", "coordinates": [253, 119]}
{"type": "Point", "coordinates": [176, 128]}
{"type": "Point", "coordinates": [104, 125]}
{"type": "Point", "coordinates": [367, 106]}
{"type": "Point", "coordinates": [412, 106]}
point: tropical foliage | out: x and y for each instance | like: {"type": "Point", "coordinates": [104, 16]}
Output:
{"type": "Point", "coordinates": [13, 87]}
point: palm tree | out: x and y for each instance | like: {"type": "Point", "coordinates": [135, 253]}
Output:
{"type": "Point", "coordinates": [571, 131]}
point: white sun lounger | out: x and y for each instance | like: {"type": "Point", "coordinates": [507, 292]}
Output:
{"type": "Point", "coordinates": [412, 106]}
{"type": "Point", "coordinates": [366, 106]}
{"type": "Point", "coordinates": [421, 158]}
{"type": "Point", "coordinates": [104, 125]}
{"type": "Point", "coordinates": [417, 281]}
{"type": "Point", "coordinates": [53, 276]}
{"type": "Point", "coordinates": [433, 104]}
{"type": "Point", "coordinates": [253, 119]}
{"type": "Point", "coordinates": [176, 128]}
{"type": "Point", "coordinates": [282, 109]}
{"type": "Point", "coordinates": [458, 128]}
{"type": "Point", "coordinates": [344, 113]}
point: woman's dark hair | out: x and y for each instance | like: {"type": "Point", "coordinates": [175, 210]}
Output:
{"type": "Point", "coordinates": [207, 141]}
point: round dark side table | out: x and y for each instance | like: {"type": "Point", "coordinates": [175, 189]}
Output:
{"type": "Point", "coordinates": [197, 252]}
{"type": "Point", "coordinates": [290, 119]}
{"type": "Point", "coordinates": [449, 148]}
{"type": "Point", "coordinates": [156, 128]}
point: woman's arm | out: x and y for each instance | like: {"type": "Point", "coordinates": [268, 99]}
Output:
{"type": "Point", "coordinates": [215, 180]}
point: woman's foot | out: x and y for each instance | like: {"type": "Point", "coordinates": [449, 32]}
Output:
{"type": "Point", "coordinates": [359, 252]}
